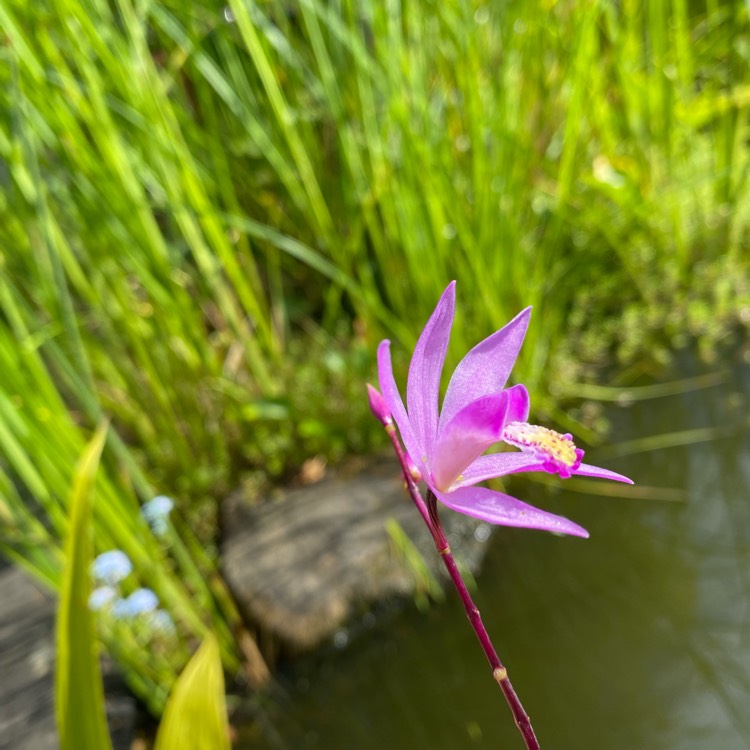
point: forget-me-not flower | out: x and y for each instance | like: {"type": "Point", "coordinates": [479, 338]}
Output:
{"type": "Point", "coordinates": [140, 602]}
{"type": "Point", "coordinates": [156, 512]}
{"type": "Point", "coordinates": [101, 597]}
{"type": "Point", "coordinates": [111, 567]}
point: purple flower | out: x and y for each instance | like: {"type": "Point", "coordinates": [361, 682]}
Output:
{"type": "Point", "coordinates": [446, 446]}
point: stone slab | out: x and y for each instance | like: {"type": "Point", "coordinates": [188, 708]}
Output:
{"type": "Point", "coordinates": [303, 563]}
{"type": "Point", "coordinates": [27, 664]}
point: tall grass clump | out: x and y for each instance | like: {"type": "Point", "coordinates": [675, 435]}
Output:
{"type": "Point", "coordinates": [210, 211]}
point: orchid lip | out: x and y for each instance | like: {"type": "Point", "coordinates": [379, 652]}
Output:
{"type": "Point", "coordinates": [466, 436]}
{"type": "Point", "coordinates": [557, 452]}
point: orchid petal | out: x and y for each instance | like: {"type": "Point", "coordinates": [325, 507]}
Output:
{"type": "Point", "coordinates": [392, 398]}
{"type": "Point", "coordinates": [585, 470]}
{"type": "Point", "coordinates": [423, 384]}
{"type": "Point", "coordinates": [474, 429]}
{"type": "Point", "coordinates": [501, 464]}
{"type": "Point", "coordinates": [504, 510]}
{"type": "Point", "coordinates": [485, 369]}
{"type": "Point", "coordinates": [497, 465]}
{"type": "Point", "coordinates": [518, 404]}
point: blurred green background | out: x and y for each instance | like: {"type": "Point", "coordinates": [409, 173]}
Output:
{"type": "Point", "coordinates": [211, 213]}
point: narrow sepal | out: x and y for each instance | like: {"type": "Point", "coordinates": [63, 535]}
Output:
{"type": "Point", "coordinates": [486, 368]}
{"type": "Point", "coordinates": [585, 470]}
{"type": "Point", "coordinates": [393, 401]}
{"type": "Point", "coordinates": [504, 510]}
{"type": "Point", "coordinates": [423, 384]}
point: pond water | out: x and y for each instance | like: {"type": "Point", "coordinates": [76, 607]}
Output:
{"type": "Point", "coordinates": [636, 638]}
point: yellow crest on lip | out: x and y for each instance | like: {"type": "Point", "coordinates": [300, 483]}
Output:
{"type": "Point", "coordinates": [558, 451]}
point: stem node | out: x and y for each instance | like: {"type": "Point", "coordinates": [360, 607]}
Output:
{"type": "Point", "coordinates": [500, 674]}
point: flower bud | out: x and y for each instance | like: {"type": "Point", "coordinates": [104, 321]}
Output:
{"type": "Point", "coordinates": [378, 405]}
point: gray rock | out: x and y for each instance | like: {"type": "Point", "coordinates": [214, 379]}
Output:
{"type": "Point", "coordinates": [302, 564]}
{"type": "Point", "coordinates": [27, 671]}
{"type": "Point", "coordinates": [27, 664]}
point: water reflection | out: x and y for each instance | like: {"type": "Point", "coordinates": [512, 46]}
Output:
{"type": "Point", "coordinates": [636, 638]}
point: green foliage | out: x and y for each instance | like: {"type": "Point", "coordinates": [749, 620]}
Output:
{"type": "Point", "coordinates": [211, 213]}
{"type": "Point", "coordinates": [196, 714]}
{"type": "Point", "coordinates": [79, 694]}
{"type": "Point", "coordinates": [427, 585]}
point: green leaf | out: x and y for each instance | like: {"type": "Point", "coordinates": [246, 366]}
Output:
{"type": "Point", "coordinates": [79, 695]}
{"type": "Point", "coordinates": [196, 713]}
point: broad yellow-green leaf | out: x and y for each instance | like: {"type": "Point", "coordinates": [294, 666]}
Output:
{"type": "Point", "coordinates": [79, 695]}
{"type": "Point", "coordinates": [196, 714]}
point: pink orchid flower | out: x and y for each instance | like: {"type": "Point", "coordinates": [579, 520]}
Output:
{"type": "Point", "coordinates": [447, 446]}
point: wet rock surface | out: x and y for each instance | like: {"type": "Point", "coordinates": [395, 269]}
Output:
{"type": "Point", "coordinates": [27, 664]}
{"type": "Point", "coordinates": [27, 670]}
{"type": "Point", "coordinates": [302, 564]}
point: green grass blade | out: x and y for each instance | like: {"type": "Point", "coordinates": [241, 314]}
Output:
{"type": "Point", "coordinates": [79, 693]}
{"type": "Point", "coordinates": [196, 712]}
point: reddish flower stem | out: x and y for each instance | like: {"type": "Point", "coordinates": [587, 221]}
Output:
{"type": "Point", "coordinates": [429, 513]}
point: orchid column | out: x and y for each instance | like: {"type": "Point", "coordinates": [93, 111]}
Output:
{"type": "Point", "coordinates": [445, 448]}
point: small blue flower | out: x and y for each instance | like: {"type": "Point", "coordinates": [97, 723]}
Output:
{"type": "Point", "coordinates": [156, 512]}
{"type": "Point", "coordinates": [111, 567]}
{"type": "Point", "coordinates": [121, 610]}
{"type": "Point", "coordinates": [162, 622]}
{"type": "Point", "coordinates": [142, 601]}
{"type": "Point", "coordinates": [139, 602]}
{"type": "Point", "coordinates": [101, 597]}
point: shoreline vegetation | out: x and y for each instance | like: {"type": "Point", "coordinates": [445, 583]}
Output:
{"type": "Point", "coordinates": [212, 213]}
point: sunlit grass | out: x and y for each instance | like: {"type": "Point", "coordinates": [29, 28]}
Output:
{"type": "Point", "coordinates": [79, 694]}
{"type": "Point", "coordinates": [195, 714]}
{"type": "Point", "coordinates": [211, 213]}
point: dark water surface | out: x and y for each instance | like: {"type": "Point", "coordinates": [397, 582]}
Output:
{"type": "Point", "coordinates": [638, 638]}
